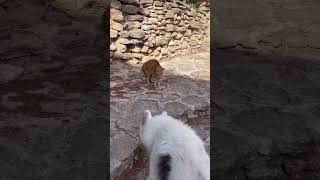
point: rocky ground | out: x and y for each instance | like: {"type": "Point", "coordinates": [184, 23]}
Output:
{"type": "Point", "coordinates": [184, 94]}
{"type": "Point", "coordinates": [266, 117]}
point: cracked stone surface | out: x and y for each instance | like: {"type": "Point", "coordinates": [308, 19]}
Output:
{"type": "Point", "coordinates": [266, 123]}
{"type": "Point", "coordinates": [184, 94]}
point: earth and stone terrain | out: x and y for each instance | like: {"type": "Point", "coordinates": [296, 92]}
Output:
{"type": "Point", "coordinates": [184, 93]}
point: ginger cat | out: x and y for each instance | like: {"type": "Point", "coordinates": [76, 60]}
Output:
{"type": "Point", "coordinates": [153, 72]}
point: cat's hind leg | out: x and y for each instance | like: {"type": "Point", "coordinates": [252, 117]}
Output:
{"type": "Point", "coordinates": [158, 83]}
{"type": "Point", "coordinates": [148, 78]}
{"type": "Point", "coordinates": [155, 83]}
{"type": "Point", "coordinates": [151, 79]}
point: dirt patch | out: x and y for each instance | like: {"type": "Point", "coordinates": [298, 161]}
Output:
{"type": "Point", "coordinates": [198, 121]}
{"type": "Point", "coordinates": [139, 164]}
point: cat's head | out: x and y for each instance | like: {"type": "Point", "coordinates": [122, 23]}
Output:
{"type": "Point", "coordinates": [148, 126]}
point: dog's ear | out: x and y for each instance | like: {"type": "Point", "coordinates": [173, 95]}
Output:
{"type": "Point", "coordinates": [147, 115]}
{"type": "Point", "coordinates": [164, 113]}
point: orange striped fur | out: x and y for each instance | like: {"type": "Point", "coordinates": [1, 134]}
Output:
{"type": "Point", "coordinates": [153, 72]}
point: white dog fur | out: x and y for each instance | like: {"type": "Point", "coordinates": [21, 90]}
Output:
{"type": "Point", "coordinates": [163, 135]}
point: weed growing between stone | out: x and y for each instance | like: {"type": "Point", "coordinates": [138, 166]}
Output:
{"type": "Point", "coordinates": [191, 2]}
{"type": "Point", "coordinates": [143, 154]}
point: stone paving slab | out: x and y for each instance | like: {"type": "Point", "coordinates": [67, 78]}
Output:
{"type": "Point", "coordinates": [184, 93]}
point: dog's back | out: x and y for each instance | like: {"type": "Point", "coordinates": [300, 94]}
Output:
{"type": "Point", "coordinates": [176, 151]}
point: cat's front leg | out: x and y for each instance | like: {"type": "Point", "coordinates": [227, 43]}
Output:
{"type": "Point", "coordinates": [155, 84]}
{"type": "Point", "coordinates": [148, 79]}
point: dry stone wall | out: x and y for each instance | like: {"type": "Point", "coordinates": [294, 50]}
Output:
{"type": "Point", "coordinates": [145, 29]}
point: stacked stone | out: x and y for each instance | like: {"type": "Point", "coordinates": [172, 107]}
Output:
{"type": "Point", "coordinates": [146, 29]}
{"type": "Point", "coordinates": [204, 8]}
{"type": "Point", "coordinates": [126, 17]}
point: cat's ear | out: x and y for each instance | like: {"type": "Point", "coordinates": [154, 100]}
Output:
{"type": "Point", "coordinates": [147, 115]}
{"type": "Point", "coordinates": [164, 113]}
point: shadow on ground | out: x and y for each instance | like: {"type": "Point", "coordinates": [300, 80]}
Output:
{"type": "Point", "coordinates": [266, 117]}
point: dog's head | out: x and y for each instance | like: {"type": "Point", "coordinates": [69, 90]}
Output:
{"type": "Point", "coordinates": [148, 126]}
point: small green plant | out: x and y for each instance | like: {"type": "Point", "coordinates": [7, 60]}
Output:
{"type": "Point", "coordinates": [192, 3]}
{"type": "Point", "coordinates": [143, 155]}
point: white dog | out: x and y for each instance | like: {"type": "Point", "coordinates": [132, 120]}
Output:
{"type": "Point", "coordinates": [176, 151]}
